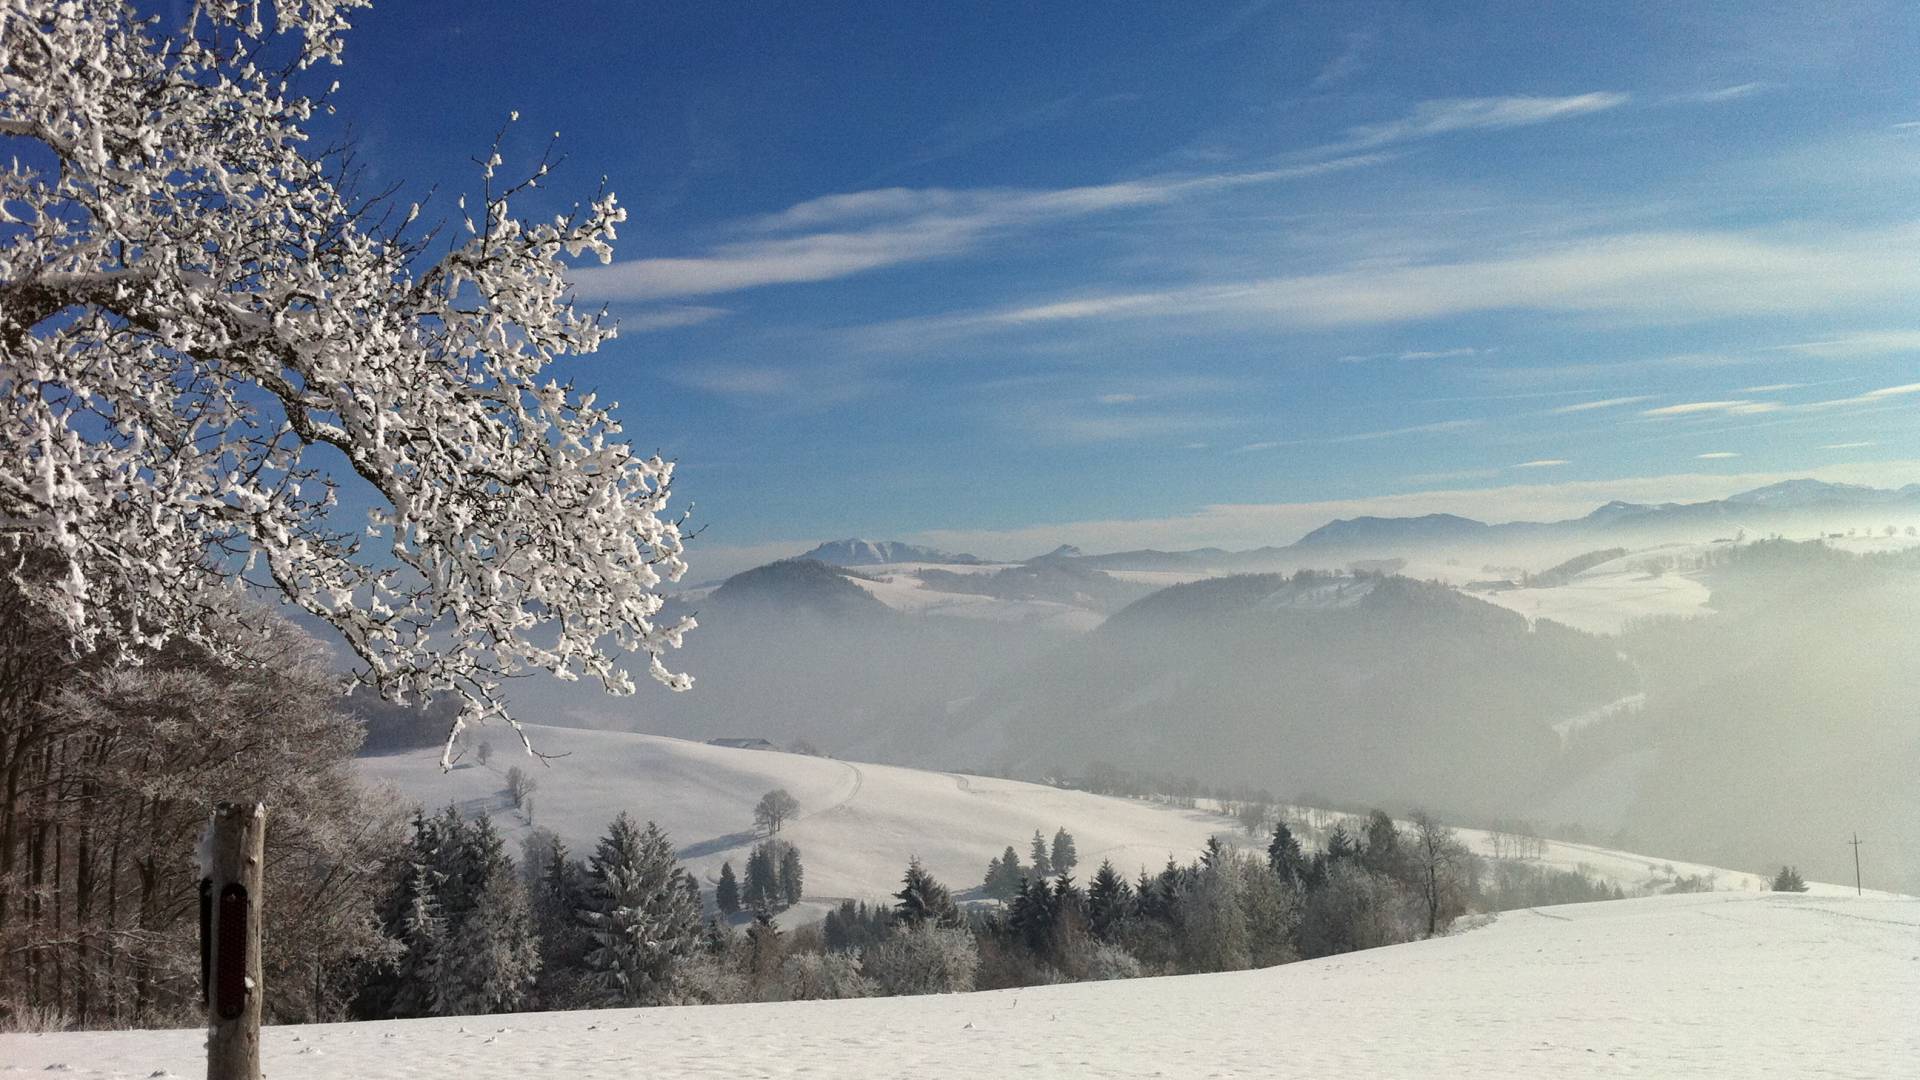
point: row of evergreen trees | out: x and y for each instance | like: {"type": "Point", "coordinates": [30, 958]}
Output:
{"type": "Point", "coordinates": [775, 881]}
{"type": "Point", "coordinates": [1005, 873]}
{"type": "Point", "coordinates": [471, 934]}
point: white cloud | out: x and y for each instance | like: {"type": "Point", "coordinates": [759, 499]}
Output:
{"type": "Point", "coordinates": [1725, 93]}
{"type": "Point", "coordinates": [1730, 408]}
{"type": "Point", "coordinates": [1670, 276]}
{"type": "Point", "coordinates": [1543, 463]}
{"type": "Point", "coordinates": [1119, 399]}
{"type": "Point", "coordinates": [1849, 445]}
{"type": "Point", "coordinates": [1717, 455]}
{"type": "Point", "coordinates": [1439, 117]}
{"type": "Point", "coordinates": [1438, 428]}
{"type": "Point", "coordinates": [1414, 354]}
{"type": "Point", "coordinates": [837, 236]}
{"type": "Point", "coordinates": [1770, 388]}
{"type": "Point", "coordinates": [1603, 403]}
{"type": "Point", "coordinates": [1873, 343]}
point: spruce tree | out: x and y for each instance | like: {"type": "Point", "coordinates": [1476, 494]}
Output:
{"type": "Point", "coordinates": [922, 900]}
{"type": "Point", "coordinates": [727, 894]}
{"type": "Point", "coordinates": [792, 876]}
{"type": "Point", "coordinates": [638, 913]}
{"type": "Point", "coordinates": [1064, 856]}
{"type": "Point", "coordinates": [762, 888]}
{"type": "Point", "coordinates": [1285, 858]}
{"type": "Point", "coordinates": [1109, 900]}
{"type": "Point", "coordinates": [1004, 875]}
{"type": "Point", "coordinates": [1042, 858]}
{"type": "Point", "coordinates": [1789, 880]}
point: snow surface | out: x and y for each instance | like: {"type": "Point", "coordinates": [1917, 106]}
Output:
{"type": "Point", "coordinates": [860, 823]}
{"type": "Point", "coordinates": [1706, 985]}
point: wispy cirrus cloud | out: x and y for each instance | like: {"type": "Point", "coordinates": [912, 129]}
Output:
{"type": "Point", "coordinates": [1542, 463]}
{"type": "Point", "coordinates": [1603, 403]}
{"type": "Point", "coordinates": [1415, 354]}
{"type": "Point", "coordinates": [1724, 93]}
{"type": "Point", "coordinates": [1739, 407]}
{"type": "Point", "coordinates": [1439, 117]}
{"type": "Point", "coordinates": [1647, 276]}
{"type": "Point", "coordinates": [837, 236]}
{"type": "Point", "coordinates": [1868, 343]}
{"type": "Point", "coordinates": [1716, 455]}
{"type": "Point", "coordinates": [1437, 428]}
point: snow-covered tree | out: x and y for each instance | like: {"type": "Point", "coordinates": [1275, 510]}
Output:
{"type": "Point", "coordinates": [1041, 855]}
{"type": "Point", "coordinates": [638, 914]}
{"type": "Point", "coordinates": [923, 900]}
{"type": "Point", "coordinates": [792, 875]}
{"type": "Point", "coordinates": [1063, 856]}
{"type": "Point", "coordinates": [208, 339]}
{"type": "Point", "coordinates": [460, 914]}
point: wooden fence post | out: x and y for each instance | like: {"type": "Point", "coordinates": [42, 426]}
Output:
{"type": "Point", "coordinates": [235, 849]}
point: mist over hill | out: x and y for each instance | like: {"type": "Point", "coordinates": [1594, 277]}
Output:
{"type": "Point", "coordinates": [1721, 701]}
{"type": "Point", "coordinates": [1375, 687]}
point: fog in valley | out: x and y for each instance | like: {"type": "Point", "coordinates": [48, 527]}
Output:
{"type": "Point", "coordinates": [1682, 683]}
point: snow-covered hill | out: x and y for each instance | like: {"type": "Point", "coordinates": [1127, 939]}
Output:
{"type": "Point", "coordinates": [860, 823]}
{"type": "Point", "coordinates": [1718, 985]}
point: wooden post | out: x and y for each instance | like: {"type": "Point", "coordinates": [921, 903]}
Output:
{"type": "Point", "coordinates": [235, 849]}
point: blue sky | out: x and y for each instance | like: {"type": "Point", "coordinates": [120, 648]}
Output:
{"type": "Point", "coordinates": [1002, 275]}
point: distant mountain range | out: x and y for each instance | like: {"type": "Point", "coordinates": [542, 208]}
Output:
{"type": "Point", "coordinates": [880, 552]}
{"type": "Point", "coordinates": [1753, 510]}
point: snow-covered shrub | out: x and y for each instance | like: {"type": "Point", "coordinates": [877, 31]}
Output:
{"type": "Point", "coordinates": [823, 977]}
{"type": "Point", "coordinates": [1105, 961]}
{"type": "Point", "coordinates": [924, 959]}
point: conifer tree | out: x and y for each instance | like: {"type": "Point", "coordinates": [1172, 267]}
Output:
{"type": "Point", "coordinates": [1109, 900]}
{"type": "Point", "coordinates": [1042, 858]}
{"type": "Point", "coordinates": [922, 900]}
{"type": "Point", "coordinates": [1789, 880]}
{"type": "Point", "coordinates": [727, 894]}
{"type": "Point", "coordinates": [638, 913]}
{"type": "Point", "coordinates": [1004, 875]}
{"type": "Point", "coordinates": [1064, 857]}
{"type": "Point", "coordinates": [762, 887]}
{"type": "Point", "coordinates": [792, 877]}
{"type": "Point", "coordinates": [1285, 858]}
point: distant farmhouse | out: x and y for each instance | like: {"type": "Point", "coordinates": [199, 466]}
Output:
{"type": "Point", "coordinates": [742, 744]}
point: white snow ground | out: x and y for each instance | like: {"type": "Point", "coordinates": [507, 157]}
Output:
{"type": "Point", "coordinates": [860, 823]}
{"type": "Point", "coordinates": [1703, 985]}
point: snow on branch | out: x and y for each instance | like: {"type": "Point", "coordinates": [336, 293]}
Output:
{"type": "Point", "coordinates": [206, 335]}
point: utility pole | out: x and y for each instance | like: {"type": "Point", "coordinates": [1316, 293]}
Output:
{"type": "Point", "coordinates": [1856, 865]}
{"type": "Point", "coordinates": [234, 849]}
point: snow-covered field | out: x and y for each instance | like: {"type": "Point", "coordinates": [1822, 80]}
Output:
{"type": "Point", "coordinates": [1705, 985]}
{"type": "Point", "coordinates": [860, 823]}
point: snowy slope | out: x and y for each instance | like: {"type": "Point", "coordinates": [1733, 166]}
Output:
{"type": "Point", "coordinates": [860, 823]}
{"type": "Point", "coordinates": [1719, 985]}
